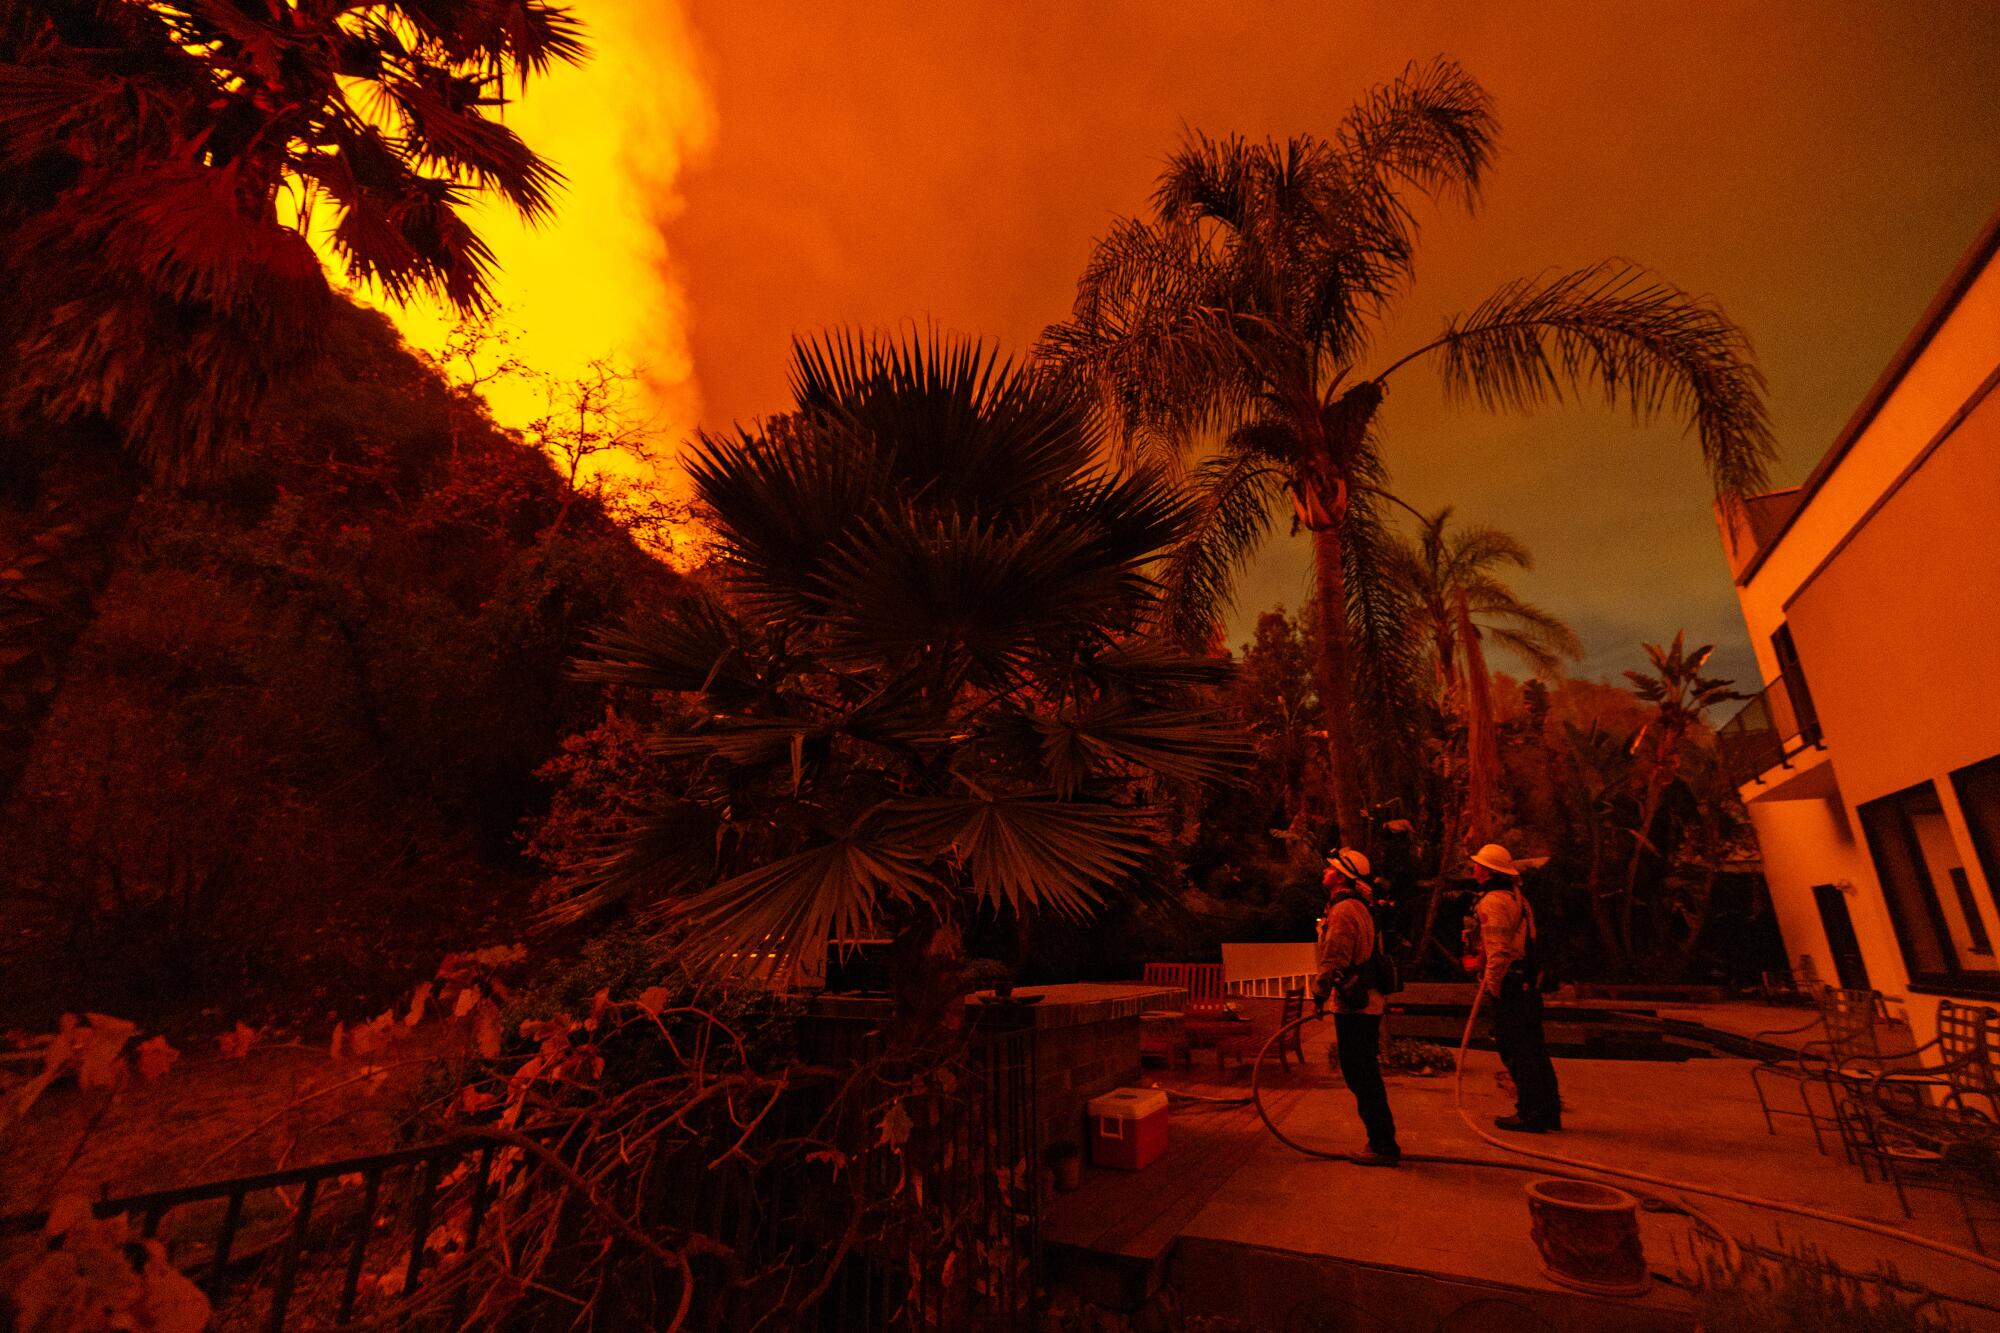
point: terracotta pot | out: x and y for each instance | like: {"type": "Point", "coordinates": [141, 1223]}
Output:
{"type": "Point", "coordinates": [1588, 1236]}
{"type": "Point", "coordinates": [1068, 1168]}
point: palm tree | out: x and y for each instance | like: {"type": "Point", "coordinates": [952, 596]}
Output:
{"type": "Point", "coordinates": [1451, 577]}
{"type": "Point", "coordinates": [161, 164]}
{"type": "Point", "coordinates": [166, 162]}
{"type": "Point", "coordinates": [924, 685]}
{"type": "Point", "coordinates": [1244, 310]}
{"type": "Point", "coordinates": [1680, 695]}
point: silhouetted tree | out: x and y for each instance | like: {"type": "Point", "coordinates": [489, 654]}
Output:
{"type": "Point", "coordinates": [160, 167]}
{"type": "Point", "coordinates": [927, 688]}
{"type": "Point", "coordinates": [1245, 307]}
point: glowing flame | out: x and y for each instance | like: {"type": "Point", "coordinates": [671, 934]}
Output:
{"type": "Point", "coordinates": [597, 281]}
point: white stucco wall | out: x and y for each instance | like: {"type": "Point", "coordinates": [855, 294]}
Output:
{"type": "Point", "coordinates": [1889, 578]}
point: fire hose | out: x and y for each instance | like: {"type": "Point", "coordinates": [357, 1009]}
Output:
{"type": "Point", "coordinates": [1575, 1165]}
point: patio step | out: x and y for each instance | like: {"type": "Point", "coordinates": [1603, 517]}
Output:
{"type": "Point", "coordinates": [1280, 1289]}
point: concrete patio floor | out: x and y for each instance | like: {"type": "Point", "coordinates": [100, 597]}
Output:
{"type": "Point", "coordinates": [1249, 1228]}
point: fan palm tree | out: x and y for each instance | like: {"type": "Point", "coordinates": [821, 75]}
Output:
{"type": "Point", "coordinates": [924, 685]}
{"type": "Point", "coordinates": [1451, 577]}
{"type": "Point", "coordinates": [161, 164]}
{"type": "Point", "coordinates": [1243, 310]}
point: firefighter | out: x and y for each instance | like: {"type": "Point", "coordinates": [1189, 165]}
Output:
{"type": "Point", "coordinates": [1348, 941]}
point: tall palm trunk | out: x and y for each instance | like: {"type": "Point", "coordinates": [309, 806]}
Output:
{"type": "Point", "coordinates": [1336, 684]}
{"type": "Point", "coordinates": [1482, 745]}
{"type": "Point", "coordinates": [59, 533]}
{"type": "Point", "coordinates": [1657, 777]}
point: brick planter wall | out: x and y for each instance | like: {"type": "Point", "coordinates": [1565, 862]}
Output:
{"type": "Point", "coordinates": [1086, 1040]}
{"type": "Point", "coordinates": [1087, 1043]}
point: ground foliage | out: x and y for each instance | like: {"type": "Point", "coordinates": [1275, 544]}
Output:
{"type": "Point", "coordinates": [292, 750]}
{"type": "Point", "coordinates": [1796, 1286]}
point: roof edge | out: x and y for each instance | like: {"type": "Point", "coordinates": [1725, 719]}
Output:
{"type": "Point", "coordinates": [1969, 266]}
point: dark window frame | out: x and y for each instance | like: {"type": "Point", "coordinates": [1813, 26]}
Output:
{"type": "Point", "coordinates": [1891, 811]}
{"type": "Point", "coordinates": [1797, 693]}
{"type": "Point", "coordinates": [1985, 840]}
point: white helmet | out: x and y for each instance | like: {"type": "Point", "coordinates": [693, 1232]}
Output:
{"type": "Point", "coordinates": [1349, 862]}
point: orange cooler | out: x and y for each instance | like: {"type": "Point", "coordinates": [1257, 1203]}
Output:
{"type": "Point", "coordinates": [1128, 1128]}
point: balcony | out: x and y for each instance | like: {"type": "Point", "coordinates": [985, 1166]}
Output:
{"type": "Point", "coordinates": [1767, 731]}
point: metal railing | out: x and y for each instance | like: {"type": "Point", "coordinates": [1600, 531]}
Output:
{"type": "Point", "coordinates": [312, 1247]}
{"type": "Point", "coordinates": [1768, 730]}
{"type": "Point", "coordinates": [292, 1244]}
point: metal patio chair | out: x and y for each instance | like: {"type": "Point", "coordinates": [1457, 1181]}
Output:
{"type": "Point", "coordinates": [1802, 1068]}
{"type": "Point", "coordinates": [1937, 1130]}
{"type": "Point", "coordinates": [1851, 1048]}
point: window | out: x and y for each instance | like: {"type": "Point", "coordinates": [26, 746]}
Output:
{"type": "Point", "coordinates": [1945, 941]}
{"type": "Point", "coordinates": [1978, 789]}
{"type": "Point", "coordinates": [1804, 721]}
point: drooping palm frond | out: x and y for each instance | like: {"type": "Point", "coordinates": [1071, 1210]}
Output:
{"type": "Point", "coordinates": [1433, 128]}
{"type": "Point", "coordinates": [1390, 666]}
{"type": "Point", "coordinates": [786, 909]}
{"type": "Point", "coordinates": [1644, 343]}
{"type": "Point", "coordinates": [1154, 337]}
{"type": "Point", "coordinates": [1029, 852]}
{"type": "Point", "coordinates": [1539, 637]}
{"type": "Point", "coordinates": [1448, 570]}
{"type": "Point", "coordinates": [1469, 551]}
{"type": "Point", "coordinates": [694, 645]}
{"type": "Point", "coordinates": [1237, 496]}
{"type": "Point", "coordinates": [1151, 668]}
{"type": "Point", "coordinates": [671, 848]}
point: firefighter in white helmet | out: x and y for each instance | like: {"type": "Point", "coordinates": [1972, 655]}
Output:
{"type": "Point", "coordinates": [1348, 941]}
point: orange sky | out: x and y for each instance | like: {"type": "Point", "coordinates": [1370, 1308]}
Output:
{"type": "Point", "coordinates": [742, 172]}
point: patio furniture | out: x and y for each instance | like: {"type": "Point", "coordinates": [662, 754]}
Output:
{"type": "Point", "coordinates": [1201, 981]}
{"type": "Point", "coordinates": [1289, 1044]}
{"type": "Point", "coordinates": [1799, 1068]}
{"type": "Point", "coordinates": [1969, 1041]}
{"type": "Point", "coordinates": [1847, 1019]}
{"type": "Point", "coordinates": [1920, 1132]}
{"type": "Point", "coordinates": [1163, 1036]}
{"type": "Point", "coordinates": [1230, 1037]}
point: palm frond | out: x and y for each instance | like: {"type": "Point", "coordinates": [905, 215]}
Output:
{"type": "Point", "coordinates": [1184, 745]}
{"type": "Point", "coordinates": [789, 908]}
{"type": "Point", "coordinates": [1432, 127]}
{"type": "Point", "coordinates": [1154, 337]}
{"type": "Point", "coordinates": [1029, 853]}
{"type": "Point", "coordinates": [693, 645]}
{"type": "Point", "coordinates": [1646, 344]}
{"type": "Point", "coordinates": [1236, 497]}
{"type": "Point", "coordinates": [1387, 646]}
{"type": "Point", "coordinates": [1149, 668]}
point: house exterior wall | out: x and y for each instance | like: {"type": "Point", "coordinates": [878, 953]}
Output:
{"type": "Point", "coordinates": [1888, 577]}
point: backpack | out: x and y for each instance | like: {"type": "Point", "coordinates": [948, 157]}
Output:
{"type": "Point", "coordinates": [1377, 972]}
{"type": "Point", "coordinates": [1535, 972]}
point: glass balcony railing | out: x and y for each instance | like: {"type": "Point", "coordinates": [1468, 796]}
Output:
{"type": "Point", "coordinates": [1768, 730]}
